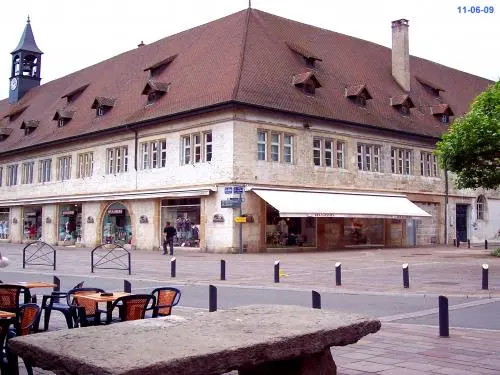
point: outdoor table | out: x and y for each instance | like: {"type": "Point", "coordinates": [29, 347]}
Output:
{"type": "Point", "coordinates": [99, 298]}
{"type": "Point", "coordinates": [32, 285]}
{"type": "Point", "coordinates": [258, 339]}
{"type": "Point", "coordinates": [7, 314]}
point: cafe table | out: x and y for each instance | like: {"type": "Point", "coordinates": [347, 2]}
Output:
{"type": "Point", "coordinates": [108, 299]}
{"type": "Point", "coordinates": [33, 285]}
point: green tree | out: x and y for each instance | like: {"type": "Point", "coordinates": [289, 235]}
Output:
{"type": "Point", "coordinates": [471, 147]}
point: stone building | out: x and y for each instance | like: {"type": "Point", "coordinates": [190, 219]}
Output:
{"type": "Point", "coordinates": [328, 138]}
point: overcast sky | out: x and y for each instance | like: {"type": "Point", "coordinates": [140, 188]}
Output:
{"type": "Point", "coordinates": [75, 34]}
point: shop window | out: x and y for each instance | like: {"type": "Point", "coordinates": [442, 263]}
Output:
{"type": "Point", "coordinates": [85, 167]}
{"type": "Point", "coordinates": [27, 173]}
{"type": "Point", "coordinates": [428, 164]}
{"type": "Point", "coordinates": [44, 170]}
{"type": "Point", "coordinates": [369, 157]}
{"type": "Point", "coordinates": [70, 223]}
{"type": "Point", "coordinates": [4, 223]}
{"type": "Point", "coordinates": [117, 160]}
{"type": "Point", "coordinates": [196, 148]}
{"type": "Point", "coordinates": [481, 207]}
{"type": "Point", "coordinates": [32, 223]}
{"type": "Point", "coordinates": [117, 226]}
{"type": "Point", "coordinates": [401, 161]}
{"type": "Point", "coordinates": [360, 231]}
{"type": "Point", "coordinates": [289, 231]}
{"type": "Point", "coordinates": [184, 214]}
{"type": "Point", "coordinates": [11, 175]}
{"type": "Point", "coordinates": [64, 168]}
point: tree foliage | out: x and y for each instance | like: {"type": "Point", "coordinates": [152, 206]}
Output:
{"type": "Point", "coordinates": [471, 147]}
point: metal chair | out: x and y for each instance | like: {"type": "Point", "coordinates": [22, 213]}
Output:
{"type": "Point", "coordinates": [52, 302]}
{"type": "Point", "coordinates": [166, 298]}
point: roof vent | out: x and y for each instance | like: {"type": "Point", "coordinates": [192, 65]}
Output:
{"type": "Point", "coordinates": [403, 103]}
{"type": "Point", "coordinates": [29, 126]}
{"type": "Point", "coordinates": [358, 93]}
{"type": "Point", "coordinates": [158, 67]}
{"type": "Point", "coordinates": [309, 57]}
{"type": "Point", "coordinates": [74, 94]}
{"type": "Point", "coordinates": [307, 82]}
{"type": "Point", "coordinates": [4, 133]}
{"type": "Point", "coordinates": [141, 44]}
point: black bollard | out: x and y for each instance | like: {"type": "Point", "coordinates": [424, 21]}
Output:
{"type": "Point", "coordinates": [486, 244]}
{"type": "Point", "coordinates": [277, 271]}
{"type": "Point", "coordinates": [316, 300]}
{"type": "Point", "coordinates": [444, 324]}
{"type": "Point", "coordinates": [127, 286]}
{"type": "Point", "coordinates": [468, 244]}
{"type": "Point", "coordinates": [485, 277]}
{"type": "Point", "coordinates": [172, 267]}
{"type": "Point", "coordinates": [458, 243]}
{"type": "Point", "coordinates": [212, 298]}
{"type": "Point", "coordinates": [222, 269]}
{"type": "Point", "coordinates": [338, 274]}
{"type": "Point", "coordinates": [57, 288]}
{"type": "Point", "coordinates": [455, 242]}
{"type": "Point", "coordinates": [406, 276]}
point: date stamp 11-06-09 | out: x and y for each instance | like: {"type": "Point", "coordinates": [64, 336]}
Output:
{"type": "Point", "coordinates": [476, 9]}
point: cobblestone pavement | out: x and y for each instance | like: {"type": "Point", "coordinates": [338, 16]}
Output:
{"type": "Point", "coordinates": [406, 349]}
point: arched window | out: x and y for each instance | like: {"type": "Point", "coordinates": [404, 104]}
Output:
{"type": "Point", "coordinates": [481, 207]}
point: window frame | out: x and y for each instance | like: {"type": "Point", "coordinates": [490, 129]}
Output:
{"type": "Point", "coordinates": [369, 157]}
{"type": "Point", "coordinates": [44, 170]}
{"type": "Point", "coordinates": [197, 147]}
{"type": "Point", "coordinates": [401, 161]}
{"type": "Point", "coordinates": [260, 143]}
{"type": "Point", "coordinates": [117, 160]}
{"type": "Point", "coordinates": [428, 164]}
{"type": "Point", "coordinates": [27, 172]}
{"type": "Point", "coordinates": [64, 168]}
{"type": "Point", "coordinates": [85, 165]}
{"type": "Point", "coordinates": [11, 175]}
{"type": "Point", "coordinates": [481, 208]}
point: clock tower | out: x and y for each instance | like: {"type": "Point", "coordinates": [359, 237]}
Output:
{"type": "Point", "coordinates": [26, 63]}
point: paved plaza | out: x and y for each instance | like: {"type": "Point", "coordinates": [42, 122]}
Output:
{"type": "Point", "coordinates": [406, 344]}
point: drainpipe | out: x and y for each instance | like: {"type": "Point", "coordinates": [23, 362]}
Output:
{"type": "Point", "coordinates": [136, 144]}
{"type": "Point", "coordinates": [446, 206]}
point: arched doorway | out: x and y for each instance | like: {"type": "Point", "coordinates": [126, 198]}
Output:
{"type": "Point", "coordinates": [117, 225]}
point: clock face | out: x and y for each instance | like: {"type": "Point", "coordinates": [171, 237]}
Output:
{"type": "Point", "coordinates": [13, 84]}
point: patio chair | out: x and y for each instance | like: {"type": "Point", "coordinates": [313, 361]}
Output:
{"type": "Point", "coordinates": [166, 298]}
{"type": "Point", "coordinates": [85, 312]}
{"type": "Point", "coordinates": [52, 302]}
{"type": "Point", "coordinates": [27, 324]}
{"type": "Point", "coordinates": [9, 297]}
{"type": "Point", "coordinates": [131, 307]}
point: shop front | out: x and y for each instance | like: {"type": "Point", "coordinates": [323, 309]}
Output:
{"type": "Point", "coordinates": [69, 229]}
{"type": "Point", "coordinates": [32, 223]}
{"type": "Point", "coordinates": [117, 225]}
{"type": "Point", "coordinates": [328, 220]}
{"type": "Point", "coordinates": [4, 224]}
{"type": "Point", "coordinates": [184, 214]}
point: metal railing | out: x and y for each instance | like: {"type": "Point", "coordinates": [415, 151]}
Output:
{"type": "Point", "coordinates": [39, 253]}
{"type": "Point", "coordinates": [111, 256]}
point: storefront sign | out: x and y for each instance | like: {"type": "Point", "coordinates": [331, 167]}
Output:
{"type": "Point", "coordinates": [30, 214]}
{"type": "Point", "coordinates": [240, 219]}
{"type": "Point", "coordinates": [115, 211]}
{"type": "Point", "coordinates": [229, 203]}
{"type": "Point", "coordinates": [68, 213]}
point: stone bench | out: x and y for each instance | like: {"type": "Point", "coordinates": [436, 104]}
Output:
{"type": "Point", "coordinates": [257, 339]}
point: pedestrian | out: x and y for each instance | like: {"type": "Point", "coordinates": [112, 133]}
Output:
{"type": "Point", "coordinates": [169, 232]}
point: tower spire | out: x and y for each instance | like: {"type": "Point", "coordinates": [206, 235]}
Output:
{"type": "Point", "coordinates": [27, 41]}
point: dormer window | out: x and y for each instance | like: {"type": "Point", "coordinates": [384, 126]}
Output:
{"type": "Point", "coordinates": [29, 126]}
{"type": "Point", "coordinates": [4, 133]}
{"type": "Point", "coordinates": [307, 82]}
{"type": "Point", "coordinates": [442, 112]}
{"type": "Point", "coordinates": [430, 87]}
{"type": "Point", "coordinates": [63, 117]}
{"type": "Point", "coordinates": [74, 94]}
{"type": "Point", "coordinates": [402, 103]}
{"type": "Point", "coordinates": [157, 68]}
{"type": "Point", "coordinates": [308, 57]}
{"type": "Point", "coordinates": [358, 94]}
{"type": "Point", "coordinates": [103, 105]}
{"type": "Point", "coordinates": [15, 113]}
{"type": "Point", "coordinates": [155, 90]}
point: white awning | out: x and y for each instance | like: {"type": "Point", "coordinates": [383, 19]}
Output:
{"type": "Point", "coordinates": [323, 204]}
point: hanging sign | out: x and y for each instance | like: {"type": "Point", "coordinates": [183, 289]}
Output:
{"type": "Point", "coordinates": [115, 211]}
{"type": "Point", "coordinates": [68, 213]}
{"type": "Point", "coordinates": [30, 214]}
{"type": "Point", "coordinates": [240, 219]}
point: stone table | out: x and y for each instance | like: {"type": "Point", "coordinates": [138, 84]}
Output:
{"type": "Point", "coordinates": [256, 339]}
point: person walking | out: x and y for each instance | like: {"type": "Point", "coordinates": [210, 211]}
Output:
{"type": "Point", "coordinates": [170, 233]}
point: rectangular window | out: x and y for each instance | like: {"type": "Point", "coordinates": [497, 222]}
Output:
{"type": "Point", "coordinates": [85, 166]}
{"type": "Point", "coordinates": [328, 153]}
{"type": "Point", "coordinates": [275, 147]}
{"type": "Point", "coordinates": [369, 157]}
{"type": "Point", "coordinates": [197, 148]}
{"type": "Point", "coordinates": [27, 173]}
{"type": "Point", "coordinates": [186, 150]}
{"type": "Point", "coordinates": [340, 154]}
{"type": "Point", "coordinates": [11, 175]}
{"type": "Point", "coordinates": [44, 170]}
{"type": "Point", "coordinates": [145, 155]}
{"type": "Point", "coordinates": [261, 145]}
{"type": "Point", "coordinates": [317, 151]}
{"type": "Point", "coordinates": [208, 146]}
{"type": "Point", "coordinates": [64, 168]}
{"type": "Point", "coordinates": [163, 153]}
{"type": "Point", "coordinates": [117, 160]}
{"type": "Point", "coordinates": [428, 164]}
{"type": "Point", "coordinates": [288, 149]}
{"type": "Point", "coordinates": [154, 154]}
{"type": "Point", "coordinates": [400, 161]}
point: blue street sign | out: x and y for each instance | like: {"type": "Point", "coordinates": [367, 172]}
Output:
{"type": "Point", "coordinates": [228, 190]}
{"type": "Point", "coordinates": [238, 189]}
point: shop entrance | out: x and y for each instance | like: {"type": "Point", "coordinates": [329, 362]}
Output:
{"type": "Point", "coordinates": [32, 223]}
{"type": "Point", "coordinates": [117, 226]}
{"type": "Point", "coordinates": [184, 214]}
{"type": "Point", "coordinates": [70, 224]}
{"type": "Point", "coordinates": [289, 231]}
{"type": "Point", "coordinates": [4, 223]}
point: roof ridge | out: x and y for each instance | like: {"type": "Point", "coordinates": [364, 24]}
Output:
{"type": "Point", "coordinates": [242, 56]}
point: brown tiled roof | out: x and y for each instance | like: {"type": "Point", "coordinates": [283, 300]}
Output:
{"type": "Point", "coordinates": [402, 100]}
{"type": "Point", "coordinates": [153, 85]}
{"type": "Point", "coordinates": [101, 101]}
{"type": "Point", "coordinates": [356, 90]}
{"type": "Point", "coordinates": [244, 58]}
{"type": "Point", "coordinates": [75, 91]}
{"type": "Point", "coordinates": [429, 84]}
{"type": "Point", "coordinates": [6, 131]}
{"type": "Point", "coordinates": [302, 51]}
{"type": "Point", "coordinates": [16, 110]}
{"type": "Point", "coordinates": [441, 109]}
{"type": "Point", "coordinates": [300, 79]}
{"type": "Point", "coordinates": [30, 124]}
{"type": "Point", "coordinates": [63, 113]}
{"type": "Point", "coordinates": [166, 61]}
